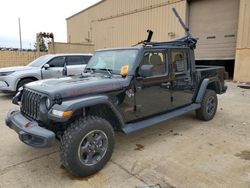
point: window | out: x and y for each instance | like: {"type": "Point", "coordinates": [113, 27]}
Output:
{"type": "Point", "coordinates": [57, 62]}
{"type": "Point", "coordinates": [179, 61]}
{"type": "Point", "coordinates": [157, 59]}
{"type": "Point", "coordinates": [113, 60]}
{"type": "Point", "coordinates": [86, 58]}
{"type": "Point", "coordinates": [75, 60]}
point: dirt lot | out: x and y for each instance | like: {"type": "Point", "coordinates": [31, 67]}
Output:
{"type": "Point", "coordinates": [183, 152]}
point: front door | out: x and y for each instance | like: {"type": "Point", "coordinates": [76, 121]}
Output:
{"type": "Point", "coordinates": [56, 68]}
{"type": "Point", "coordinates": [152, 94]}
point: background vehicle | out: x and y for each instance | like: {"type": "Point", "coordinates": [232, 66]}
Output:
{"type": "Point", "coordinates": [123, 89]}
{"type": "Point", "coordinates": [47, 66]}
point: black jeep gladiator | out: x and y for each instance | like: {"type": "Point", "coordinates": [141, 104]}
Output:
{"type": "Point", "coordinates": [122, 89]}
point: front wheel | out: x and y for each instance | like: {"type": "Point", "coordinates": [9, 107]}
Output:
{"type": "Point", "coordinates": [87, 145]}
{"type": "Point", "coordinates": [208, 106]}
{"type": "Point", "coordinates": [23, 82]}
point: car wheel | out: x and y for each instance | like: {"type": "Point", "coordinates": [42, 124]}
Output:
{"type": "Point", "coordinates": [23, 82]}
{"type": "Point", "coordinates": [87, 145]}
{"type": "Point", "coordinates": [208, 106]}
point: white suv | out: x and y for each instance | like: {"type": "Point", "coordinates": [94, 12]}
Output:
{"type": "Point", "coordinates": [47, 66]}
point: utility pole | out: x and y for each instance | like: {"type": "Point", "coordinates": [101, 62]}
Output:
{"type": "Point", "coordinates": [20, 35]}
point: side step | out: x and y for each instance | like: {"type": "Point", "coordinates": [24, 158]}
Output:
{"type": "Point", "coordinates": [132, 127]}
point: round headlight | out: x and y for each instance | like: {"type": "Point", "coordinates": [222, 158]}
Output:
{"type": "Point", "coordinates": [48, 103]}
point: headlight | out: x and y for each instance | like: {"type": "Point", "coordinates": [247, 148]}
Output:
{"type": "Point", "coordinates": [61, 113]}
{"type": "Point", "coordinates": [48, 103]}
{"type": "Point", "coordinates": [6, 73]}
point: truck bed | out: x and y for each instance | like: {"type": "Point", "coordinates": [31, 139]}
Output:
{"type": "Point", "coordinates": [217, 72]}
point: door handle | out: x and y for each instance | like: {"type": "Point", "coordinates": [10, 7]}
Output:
{"type": "Point", "coordinates": [166, 85]}
{"type": "Point", "coordinates": [186, 79]}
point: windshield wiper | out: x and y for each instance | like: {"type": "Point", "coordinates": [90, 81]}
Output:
{"type": "Point", "coordinates": [89, 69]}
{"type": "Point", "coordinates": [108, 71]}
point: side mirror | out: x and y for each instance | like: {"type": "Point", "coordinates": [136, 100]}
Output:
{"type": "Point", "coordinates": [46, 66]}
{"type": "Point", "coordinates": [146, 71]}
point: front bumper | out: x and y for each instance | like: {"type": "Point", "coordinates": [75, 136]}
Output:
{"type": "Point", "coordinates": [5, 86]}
{"type": "Point", "coordinates": [29, 132]}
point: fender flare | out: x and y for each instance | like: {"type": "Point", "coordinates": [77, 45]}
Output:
{"type": "Point", "coordinates": [203, 87]}
{"type": "Point", "coordinates": [25, 77]}
{"type": "Point", "coordinates": [76, 104]}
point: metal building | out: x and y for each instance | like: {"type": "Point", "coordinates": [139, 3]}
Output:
{"type": "Point", "coordinates": [222, 27]}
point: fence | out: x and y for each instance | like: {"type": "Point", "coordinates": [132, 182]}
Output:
{"type": "Point", "coordinates": [18, 58]}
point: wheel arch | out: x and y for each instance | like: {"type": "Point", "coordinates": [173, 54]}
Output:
{"type": "Point", "coordinates": [99, 106]}
{"type": "Point", "coordinates": [108, 112]}
{"type": "Point", "coordinates": [24, 78]}
{"type": "Point", "coordinates": [208, 83]}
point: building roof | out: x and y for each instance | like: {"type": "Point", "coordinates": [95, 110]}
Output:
{"type": "Point", "coordinates": [101, 1]}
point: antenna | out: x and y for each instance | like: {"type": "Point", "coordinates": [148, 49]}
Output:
{"type": "Point", "coordinates": [181, 22]}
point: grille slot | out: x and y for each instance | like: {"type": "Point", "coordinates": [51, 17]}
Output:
{"type": "Point", "coordinates": [30, 104]}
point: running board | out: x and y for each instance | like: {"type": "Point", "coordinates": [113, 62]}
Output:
{"type": "Point", "coordinates": [132, 127]}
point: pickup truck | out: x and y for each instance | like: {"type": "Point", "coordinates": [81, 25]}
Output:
{"type": "Point", "coordinates": [122, 89]}
{"type": "Point", "coordinates": [47, 66]}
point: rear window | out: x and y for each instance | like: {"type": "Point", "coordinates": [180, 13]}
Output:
{"type": "Point", "coordinates": [87, 58]}
{"type": "Point", "coordinates": [76, 60]}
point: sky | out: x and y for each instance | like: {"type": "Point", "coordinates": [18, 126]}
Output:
{"type": "Point", "coordinates": [36, 16]}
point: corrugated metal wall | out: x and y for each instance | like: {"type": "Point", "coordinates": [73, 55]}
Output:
{"type": "Point", "coordinates": [244, 25]}
{"type": "Point", "coordinates": [123, 23]}
{"type": "Point", "coordinates": [242, 61]}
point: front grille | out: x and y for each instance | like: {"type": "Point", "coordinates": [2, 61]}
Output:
{"type": "Point", "coordinates": [30, 103]}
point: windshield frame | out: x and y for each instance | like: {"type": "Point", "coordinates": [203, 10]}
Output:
{"type": "Point", "coordinates": [106, 69]}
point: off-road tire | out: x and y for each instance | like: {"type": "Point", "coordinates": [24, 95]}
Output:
{"type": "Point", "coordinates": [23, 82]}
{"type": "Point", "coordinates": [74, 136]}
{"type": "Point", "coordinates": [208, 106]}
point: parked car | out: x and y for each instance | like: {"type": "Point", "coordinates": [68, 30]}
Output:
{"type": "Point", "coordinates": [47, 66]}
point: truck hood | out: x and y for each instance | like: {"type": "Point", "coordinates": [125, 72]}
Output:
{"type": "Point", "coordinates": [16, 68]}
{"type": "Point", "coordinates": [73, 87]}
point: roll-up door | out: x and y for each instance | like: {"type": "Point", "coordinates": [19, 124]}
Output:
{"type": "Point", "coordinates": [214, 23]}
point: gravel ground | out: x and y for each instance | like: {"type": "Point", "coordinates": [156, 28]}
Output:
{"type": "Point", "coordinates": [183, 152]}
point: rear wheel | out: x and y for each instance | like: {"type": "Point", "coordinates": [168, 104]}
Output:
{"type": "Point", "coordinates": [87, 145]}
{"type": "Point", "coordinates": [208, 106]}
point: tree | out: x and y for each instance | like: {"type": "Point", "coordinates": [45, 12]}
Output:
{"type": "Point", "coordinates": [42, 45]}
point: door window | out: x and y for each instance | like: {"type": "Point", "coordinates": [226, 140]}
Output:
{"type": "Point", "coordinates": [75, 60]}
{"type": "Point", "coordinates": [157, 59]}
{"type": "Point", "coordinates": [87, 58]}
{"type": "Point", "coordinates": [57, 62]}
{"type": "Point", "coordinates": [179, 61]}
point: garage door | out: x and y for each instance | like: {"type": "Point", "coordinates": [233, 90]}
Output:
{"type": "Point", "coordinates": [214, 23]}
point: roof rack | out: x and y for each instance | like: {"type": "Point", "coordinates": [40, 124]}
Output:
{"type": "Point", "coordinates": [185, 41]}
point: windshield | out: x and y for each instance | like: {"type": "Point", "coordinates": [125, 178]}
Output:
{"type": "Point", "coordinates": [113, 60]}
{"type": "Point", "coordinates": [39, 61]}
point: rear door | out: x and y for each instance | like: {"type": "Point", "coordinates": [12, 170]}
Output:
{"type": "Point", "coordinates": [75, 65]}
{"type": "Point", "coordinates": [56, 68]}
{"type": "Point", "coordinates": [87, 58]}
{"type": "Point", "coordinates": [182, 88]}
